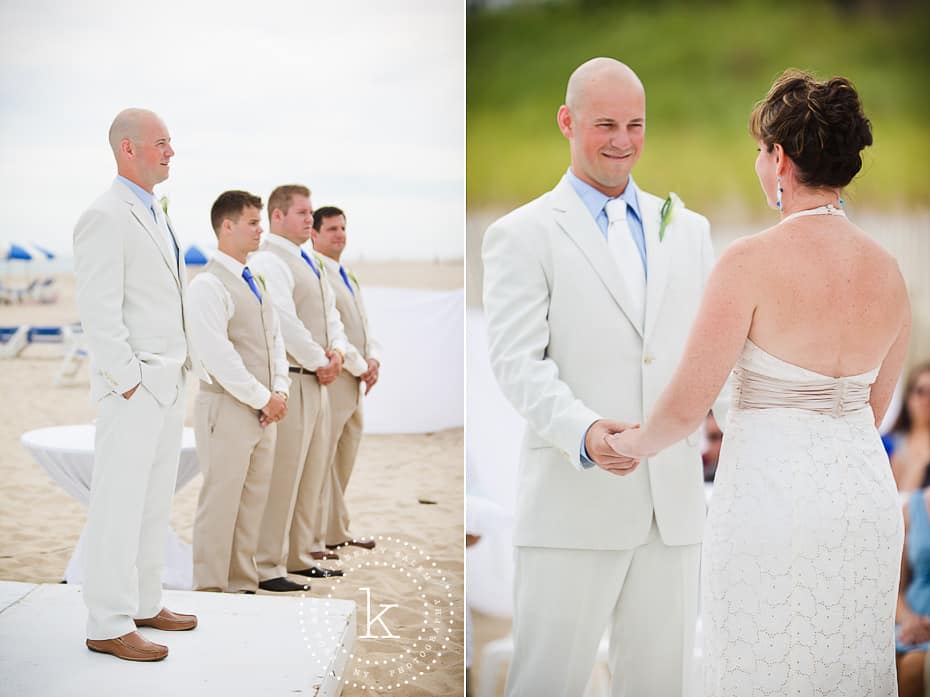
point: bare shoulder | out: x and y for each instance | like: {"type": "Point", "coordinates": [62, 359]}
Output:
{"type": "Point", "coordinates": [877, 254]}
{"type": "Point", "coordinates": [746, 252]}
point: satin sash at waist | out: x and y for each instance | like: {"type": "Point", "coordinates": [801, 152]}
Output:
{"type": "Point", "coordinates": [837, 397]}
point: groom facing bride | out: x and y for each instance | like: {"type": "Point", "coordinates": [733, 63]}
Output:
{"type": "Point", "coordinates": [589, 293]}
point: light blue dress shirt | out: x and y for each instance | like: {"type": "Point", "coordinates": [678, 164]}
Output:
{"type": "Point", "coordinates": [595, 201]}
{"type": "Point", "coordinates": [143, 195]}
{"type": "Point", "coordinates": [149, 201]}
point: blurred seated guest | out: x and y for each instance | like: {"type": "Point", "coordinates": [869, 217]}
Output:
{"type": "Point", "coordinates": [910, 436]}
{"type": "Point", "coordinates": [713, 438]}
{"type": "Point", "coordinates": [911, 617]}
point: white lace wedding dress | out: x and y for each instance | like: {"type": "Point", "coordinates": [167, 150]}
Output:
{"type": "Point", "coordinates": [802, 553]}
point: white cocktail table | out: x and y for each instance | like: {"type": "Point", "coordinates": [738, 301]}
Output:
{"type": "Point", "coordinates": [67, 454]}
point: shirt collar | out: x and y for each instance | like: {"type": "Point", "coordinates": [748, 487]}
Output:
{"type": "Point", "coordinates": [330, 263]}
{"type": "Point", "coordinates": [143, 195]}
{"type": "Point", "coordinates": [595, 200]}
{"type": "Point", "coordinates": [230, 264]}
{"type": "Point", "coordinates": [282, 243]}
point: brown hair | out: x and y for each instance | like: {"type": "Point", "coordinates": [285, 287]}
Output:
{"type": "Point", "coordinates": [230, 204]}
{"type": "Point", "coordinates": [820, 126]}
{"type": "Point", "coordinates": [321, 214]}
{"type": "Point", "coordinates": [282, 197]}
{"type": "Point", "coordinates": [903, 423]}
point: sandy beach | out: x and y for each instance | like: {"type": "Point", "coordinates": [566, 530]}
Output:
{"type": "Point", "coordinates": [40, 523]}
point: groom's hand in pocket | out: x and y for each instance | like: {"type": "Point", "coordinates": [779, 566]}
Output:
{"type": "Point", "coordinates": [600, 451]}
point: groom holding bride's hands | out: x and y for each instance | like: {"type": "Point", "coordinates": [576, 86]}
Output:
{"type": "Point", "coordinates": [590, 292]}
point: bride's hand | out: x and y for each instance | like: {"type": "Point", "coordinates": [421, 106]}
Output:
{"type": "Point", "coordinates": [628, 443]}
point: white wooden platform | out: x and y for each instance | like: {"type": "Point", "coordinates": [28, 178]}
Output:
{"type": "Point", "coordinates": [255, 645]}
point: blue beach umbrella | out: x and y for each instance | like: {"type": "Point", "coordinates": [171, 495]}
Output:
{"type": "Point", "coordinates": [194, 256]}
{"type": "Point", "coordinates": [20, 252]}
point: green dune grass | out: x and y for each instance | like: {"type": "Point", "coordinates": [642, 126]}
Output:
{"type": "Point", "coordinates": [704, 65]}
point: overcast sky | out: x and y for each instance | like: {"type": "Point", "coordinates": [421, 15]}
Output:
{"type": "Point", "coordinates": [362, 101]}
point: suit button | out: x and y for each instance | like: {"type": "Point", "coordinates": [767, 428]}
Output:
{"type": "Point", "coordinates": [647, 359]}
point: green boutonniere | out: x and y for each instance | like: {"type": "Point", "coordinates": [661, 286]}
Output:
{"type": "Point", "coordinates": [672, 204]}
{"type": "Point", "coordinates": [354, 278]}
{"type": "Point", "coordinates": [163, 202]}
{"type": "Point", "coordinates": [261, 279]}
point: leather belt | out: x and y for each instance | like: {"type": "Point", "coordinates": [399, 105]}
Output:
{"type": "Point", "coordinates": [302, 371]}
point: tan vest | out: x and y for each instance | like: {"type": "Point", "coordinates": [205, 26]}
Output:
{"type": "Point", "coordinates": [308, 295]}
{"type": "Point", "coordinates": [251, 327]}
{"type": "Point", "coordinates": [351, 311]}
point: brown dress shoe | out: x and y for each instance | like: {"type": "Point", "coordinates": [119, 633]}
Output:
{"type": "Point", "coordinates": [169, 621]}
{"type": "Point", "coordinates": [364, 544]}
{"type": "Point", "coordinates": [319, 556]}
{"type": "Point", "coordinates": [129, 647]}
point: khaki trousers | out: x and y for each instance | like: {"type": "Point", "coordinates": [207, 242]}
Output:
{"type": "Point", "coordinates": [236, 456]}
{"type": "Point", "coordinates": [346, 421]}
{"type": "Point", "coordinates": [297, 480]}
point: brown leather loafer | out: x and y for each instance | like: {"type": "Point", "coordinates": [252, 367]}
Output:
{"type": "Point", "coordinates": [129, 647]}
{"type": "Point", "coordinates": [364, 544]}
{"type": "Point", "coordinates": [169, 621]}
{"type": "Point", "coordinates": [319, 556]}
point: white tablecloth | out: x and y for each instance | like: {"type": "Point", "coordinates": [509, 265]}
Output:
{"type": "Point", "coordinates": [67, 454]}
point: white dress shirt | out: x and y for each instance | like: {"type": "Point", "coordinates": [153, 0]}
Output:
{"type": "Point", "coordinates": [211, 308]}
{"type": "Point", "coordinates": [355, 356]}
{"type": "Point", "coordinates": [299, 341]}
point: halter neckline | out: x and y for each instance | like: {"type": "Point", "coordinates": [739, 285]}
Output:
{"type": "Point", "coordinates": [829, 209]}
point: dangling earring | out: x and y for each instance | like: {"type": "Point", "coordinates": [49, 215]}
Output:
{"type": "Point", "coordinates": [842, 206]}
{"type": "Point", "coordinates": [778, 201]}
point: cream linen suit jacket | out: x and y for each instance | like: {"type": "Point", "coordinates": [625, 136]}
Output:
{"type": "Point", "coordinates": [565, 353]}
{"type": "Point", "coordinates": [131, 296]}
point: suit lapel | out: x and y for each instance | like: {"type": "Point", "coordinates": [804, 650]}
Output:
{"type": "Point", "coordinates": [657, 260]}
{"type": "Point", "coordinates": [174, 263]}
{"type": "Point", "coordinates": [144, 217]}
{"type": "Point", "coordinates": [577, 223]}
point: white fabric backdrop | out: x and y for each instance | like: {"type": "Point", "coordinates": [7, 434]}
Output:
{"type": "Point", "coordinates": [421, 387]}
{"type": "Point", "coordinates": [492, 442]}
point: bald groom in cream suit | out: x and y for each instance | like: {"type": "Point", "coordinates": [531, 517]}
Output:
{"type": "Point", "coordinates": [587, 314]}
{"type": "Point", "coordinates": [131, 282]}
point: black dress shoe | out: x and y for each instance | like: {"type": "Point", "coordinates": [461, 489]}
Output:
{"type": "Point", "coordinates": [317, 572]}
{"type": "Point", "coordinates": [281, 585]}
{"type": "Point", "coordinates": [364, 544]}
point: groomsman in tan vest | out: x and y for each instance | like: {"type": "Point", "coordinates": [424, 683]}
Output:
{"type": "Point", "coordinates": [235, 328]}
{"type": "Point", "coordinates": [316, 347]}
{"type": "Point", "coordinates": [329, 240]}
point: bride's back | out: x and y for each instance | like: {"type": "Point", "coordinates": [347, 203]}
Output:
{"type": "Point", "coordinates": [829, 299]}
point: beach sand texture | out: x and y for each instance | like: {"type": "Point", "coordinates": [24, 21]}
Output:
{"type": "Point", "coordinates": [40, 523]}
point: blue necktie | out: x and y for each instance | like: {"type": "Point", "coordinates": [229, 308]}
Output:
{"type": "Point", "coordinates": [310, 261]}
{"type": "Point", "coordinates": [247, 275]}
{"type": "Point", "coordinates": [345, 278]}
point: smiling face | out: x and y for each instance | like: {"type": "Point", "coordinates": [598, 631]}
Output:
{"type": "Point", "coordinates": [605, 123]}
{"type": "Point", "coordinates": [154, 151]}
{"type": "Point", "coordinates": [330, 239]}
{"type": "Point", "coordinates": [142, 147]}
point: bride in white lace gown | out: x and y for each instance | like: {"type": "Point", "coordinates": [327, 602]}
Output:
{"type": "Point", "coordinates": [802, 552]}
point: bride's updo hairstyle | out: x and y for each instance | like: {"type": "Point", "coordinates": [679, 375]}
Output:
{"type": "Point", "coordinates": [820, 126]}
